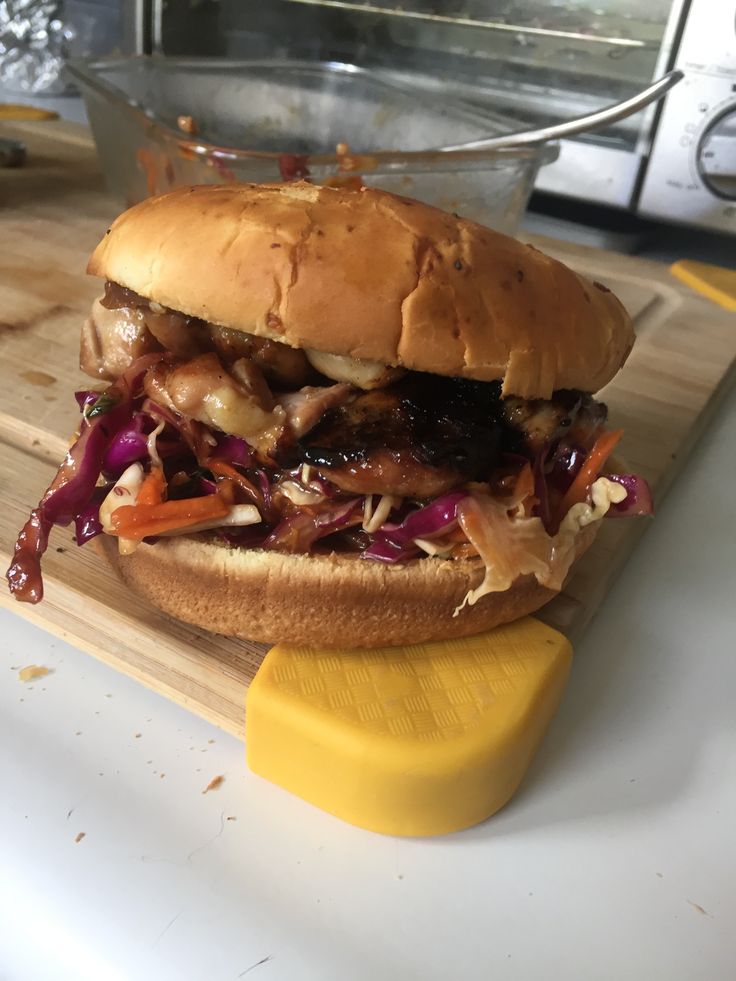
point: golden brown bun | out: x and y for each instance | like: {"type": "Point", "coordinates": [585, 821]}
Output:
{"type": "Point", "coordinates": [370, 275]}
{"type": "Point", "coordinates": [319, 600]}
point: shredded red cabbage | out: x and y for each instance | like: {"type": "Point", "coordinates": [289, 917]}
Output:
{"type": "Point", "coordinates": [395, 543]}
{"type": "Point", "coordinates": [554, 470]}
{"type": "Point", "coordinates": [435, 519]}
{"type": "Point", "coordinates": [302, 529]}
{"type": "Point", "coordinates": [129, 446]}
{"type": "Point", "coordinates": [77, 477]}
{"type": "Point", "coordinates": [24, 574]}
{"type": "Point", "coordinates": [563, 466]}
{"type": "Point", "coordinates": [207, 486]}
{"type": "Point", "coordinates": [87, 523]}
{"type": "Point", "coordinates": [86, 397]}
{"type": "Point", "coordinates": [383, 550]}
{"type": "Point", "coordinates": [194, 434]}
{"type": "Point", "coordinates": [542, 507]}
{"type": "Point", "coordinates": [265, 487]}
{"type": "Point", "coordinates": [159, 412]}
{"type": "Point", "coordinates": [231, 449]}
{"type": "Point", "coordinates": [638, 500]}
{"type": "Point", "coordinates": [74, 484]}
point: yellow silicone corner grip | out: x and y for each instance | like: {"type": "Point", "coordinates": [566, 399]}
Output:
{"type": "Point", "coordinates": [418, 740]}
{"type": "Point", "coordinates": [14, 111]}
{"type": "Point", "coordinates": [714, 282]}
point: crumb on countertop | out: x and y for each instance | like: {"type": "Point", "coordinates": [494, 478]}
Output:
{"type": "Point", "coordinates": [33, 671]}
{"type": "Point", "coordinates": [699, 908]}
{"type": "Point", "coordinates": [82, 834]}
{"type": "Point", "coordinates": [214, 783]}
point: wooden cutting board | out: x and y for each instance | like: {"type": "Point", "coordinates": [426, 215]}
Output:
{"type": "Point", "coordinates": [53, 212]}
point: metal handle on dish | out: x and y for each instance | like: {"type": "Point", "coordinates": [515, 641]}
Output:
{"type": "Point", "coordinates": [583, 124]}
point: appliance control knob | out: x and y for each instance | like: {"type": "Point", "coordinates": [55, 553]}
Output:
{"type": "Point", "coordinates": [716, 154]}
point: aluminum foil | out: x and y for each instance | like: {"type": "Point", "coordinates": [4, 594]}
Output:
{"type": "Point", "coordinates": [34, 41]}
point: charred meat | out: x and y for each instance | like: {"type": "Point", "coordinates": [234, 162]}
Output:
{"type": "Point", "coordinates": [540, 422]}
{"type": "Point", "coordinates": [416, 438]}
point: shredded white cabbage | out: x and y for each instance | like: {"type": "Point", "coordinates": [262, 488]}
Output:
{"type": "Point", "coordinates": [152, 451]}
{"type": "Point", "coordinates": [433, 548]}
{"type": "Point", "coordinates": [237, 516]}
{"type": "Point", "coordinates": [125, 491]}
{"type": "Point", "coordinates": [515, 546]}
{"type": "Point", "coordinates": [367, 508]}
{"type": "Point", "coordinates": [298, 494]}
{"type": "Point", "coordinates": [372, 520]}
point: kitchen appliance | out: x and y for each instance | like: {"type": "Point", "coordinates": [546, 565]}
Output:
{"type": "Point", "coordinates": [537, 61]}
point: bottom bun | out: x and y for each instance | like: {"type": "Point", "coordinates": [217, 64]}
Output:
{"type": "Point", "coordinates": [318, 600]}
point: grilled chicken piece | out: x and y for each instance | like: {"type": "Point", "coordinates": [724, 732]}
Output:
{"type": "Point", "coordinates": [283, 366]}
{"type": "Point", "coordinates": [185, 337]}
{"type": "Point", "coordinates": [417, 438]}
{"type": "Point", "coordinates": [395, 472]}
{"type": "Point", "coordinates": [112, 340]}
{"type": "Point", "coordinates": [540, 421]}
{"type": "Point", "coordinates": [238, 400]}
{"type": "Point", "coordinates": [204, 390]}
{"type": "Point", "coordinates": [250, 377]}
{"type": "Point", "coordinates": [305, 408]}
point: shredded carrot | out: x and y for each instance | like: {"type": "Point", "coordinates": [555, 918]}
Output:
{"type": "Point", "coordinates": [591, 468]}
{"type": "Point", "coordinates": [226, 490]}
{"type": "Point", "coordinates": [141, 520]}
{"type": "Point", "coordinates": [524, 486]}
{"type": "Point", "coordinates": [223, 469]}
{"type": "Point", "coordinates": [153, 488]}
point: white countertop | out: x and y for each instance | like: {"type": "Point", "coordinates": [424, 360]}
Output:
{"type": "Point", "coordinates": [616, 859]}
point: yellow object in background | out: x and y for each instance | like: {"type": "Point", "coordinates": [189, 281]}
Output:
{"type": "Point", "coordinates": [418, 740]}
{"type": "Point", "coordinates": [17, 112]}
{"type": "Point", "coordinates": [715, 282]}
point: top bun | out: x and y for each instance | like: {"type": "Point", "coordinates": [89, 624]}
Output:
{"type": "Point", "coordinates": [370, 275]}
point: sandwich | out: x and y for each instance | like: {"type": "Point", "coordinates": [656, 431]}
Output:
{"type": "Point", "coordinates": [336, 417]}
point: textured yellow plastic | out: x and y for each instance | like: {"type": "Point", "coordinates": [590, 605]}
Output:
{"type": "Point", "coordinates": [715, 282]}
{"type": "Point", "coordinates": [419, 740]}
{"type": "Point", "coordinates": [15, 111]}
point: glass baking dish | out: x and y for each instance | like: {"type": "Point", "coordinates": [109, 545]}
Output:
{"type": "Point", "coordinates": [161, 123]}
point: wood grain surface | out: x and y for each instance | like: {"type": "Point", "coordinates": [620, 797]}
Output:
{"type": "Point", "coordinates": [53, 211]}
